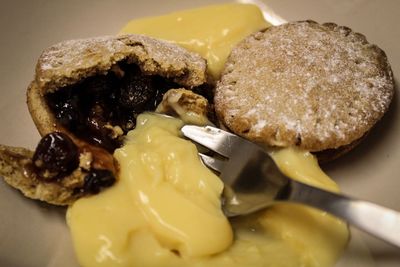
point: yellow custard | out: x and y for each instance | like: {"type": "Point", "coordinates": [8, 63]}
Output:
{"type": "Point", "coordinates": [165, 211]}
{"type": "Point", "coordinates": [164, 195]}
{"type": "Point", "coordinates": [210, 31]}
{"type": "Point", "coordinates": [165, 208]}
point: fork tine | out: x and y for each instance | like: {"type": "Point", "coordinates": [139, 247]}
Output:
{"type": "Point", "coordinates": [213, 163]}
{"type": "Point", "coordinates": [213, 138]}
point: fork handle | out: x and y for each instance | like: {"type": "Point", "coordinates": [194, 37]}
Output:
{"type": "Point", "coordinates": [376, 220]}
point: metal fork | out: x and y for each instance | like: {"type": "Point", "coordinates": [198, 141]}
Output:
{"type": "Point", "coordinates": [253, 182]}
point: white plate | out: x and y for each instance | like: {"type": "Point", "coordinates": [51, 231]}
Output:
{"type": "Point", "coordinates": [33, 234]}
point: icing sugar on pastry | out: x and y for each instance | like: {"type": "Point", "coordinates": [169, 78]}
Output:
{"type": "Point", "coordinates": [305, 84]}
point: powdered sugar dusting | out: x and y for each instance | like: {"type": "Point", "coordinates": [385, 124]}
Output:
{"type": "Point", "coordinates": [68, 61]}
{"type": "Point", "coordinates": [316, 86]}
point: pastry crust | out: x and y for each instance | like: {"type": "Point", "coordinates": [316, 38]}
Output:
{"type": "Point", "coordinates": [68, 63]}
{"type": "Point", "coordinates": [16, 168]}
{"type": "Point", "coordinates": [304, 84]}
{"type": "Point", "coordinates": [187, 105]}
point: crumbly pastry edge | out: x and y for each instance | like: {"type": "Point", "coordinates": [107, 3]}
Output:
{"type": "Point", "coordinates": [13, 168]}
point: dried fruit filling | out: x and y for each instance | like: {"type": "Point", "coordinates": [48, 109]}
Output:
{"type": "Point", "coordinates": [55, 156]}
{"type": "Point", "coordinates": [103, 108]}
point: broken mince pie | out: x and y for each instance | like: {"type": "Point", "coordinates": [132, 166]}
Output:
{"type": "Point", "coordinates": [85, 97]}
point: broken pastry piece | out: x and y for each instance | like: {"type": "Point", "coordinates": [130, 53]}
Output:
{"type": "Point", "coordinates": [85, 97]}
{"type": "Point", "coordinates": [187, 105]}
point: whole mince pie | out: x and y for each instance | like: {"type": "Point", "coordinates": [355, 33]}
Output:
{"type": "Point", "coordinates": [84, 99]}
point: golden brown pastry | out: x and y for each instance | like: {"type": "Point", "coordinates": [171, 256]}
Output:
{"type": "Point", "coordinates": [85, 97]}
{"type": "Point", "coordinates": [316, 86]}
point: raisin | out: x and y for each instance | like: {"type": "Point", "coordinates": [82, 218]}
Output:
{"type": "Point", "coordinates": [65, 106]}
{"type": "Point", "coordinates": [98, 134]}
{"type": "Point", "coordinates": [98, 179]}
{"type": "Point", "coordinates": [98, 87]}
{"type": "Point", "coordinates": [55, 156]}
{"type": "Point", "coordinates": [136, 90]}
{"type": "Point", "coordinates": [124, 118]}
{"type": "Point", "coordinates": [90, 108]}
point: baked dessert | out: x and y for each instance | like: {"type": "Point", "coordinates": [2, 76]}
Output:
{"type": "Point", "coordinates": [85, 97]}
{"type": "Point", "coordinates": [315, 86]}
